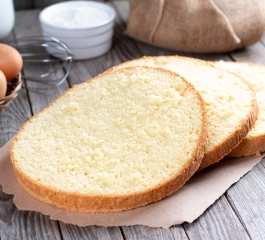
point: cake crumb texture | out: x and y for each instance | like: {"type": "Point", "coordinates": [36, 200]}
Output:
{"type": "Point", "coordinates": [230, 104]}
{"type": "Point", "coordinates": [254, 75]}
{"type": "Point", "coordinates": [122, 140]}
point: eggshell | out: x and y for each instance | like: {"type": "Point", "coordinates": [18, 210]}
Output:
{"type": "Point", "coordinates": [3, 85]}
{"type": "Point", "coordinates": [10, 61]}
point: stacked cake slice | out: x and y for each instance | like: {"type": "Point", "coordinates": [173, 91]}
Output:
{"type": "Point", "coordinates": [254, 75]}
{"type": "Point", "coordinates": [136, 133]}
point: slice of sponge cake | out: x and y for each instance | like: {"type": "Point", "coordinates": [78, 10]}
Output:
{"type": "Point", "coordinates": [254, 142]}
{"type": "Point", "coordinates": [121, 140]}
{"type": "Point", "coordinates": [230, 104]}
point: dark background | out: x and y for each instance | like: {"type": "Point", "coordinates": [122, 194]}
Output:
{"type": "Point", "coordinates": [32, 4]}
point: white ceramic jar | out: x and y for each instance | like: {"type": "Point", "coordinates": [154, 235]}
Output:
{"type": "Point", "coordinates": [7, 17]}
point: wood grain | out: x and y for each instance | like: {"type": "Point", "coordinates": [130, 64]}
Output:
{"type": "Point", "coordinates": [141, 232]}
{"type": "Point", "coordinates": [91, 232]}
{"type": "Point", "coordinates": [262, 40]}
{"type": "Point", "coordinates": [252, 54]}
{"type": "Point", "coordinates": [40, 96]}
{"type": "Point", "coordinates": [178, 232]}
{"type": "Point", "coordinates": [218, 222]}
{"type": "Point", "coordinates": [16, 113]}
{"type": "Point", "coordinates": [14, 116]}
{"type": "Point", "coordinates": [16, 224]}
{"type": "Point", "coordinates": [248, 201]}
{"type": "Point", "coordinates": [22, 224]}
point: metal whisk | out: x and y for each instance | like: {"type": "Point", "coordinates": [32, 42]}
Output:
{"type": "Point", "coordinates": [42, 52]}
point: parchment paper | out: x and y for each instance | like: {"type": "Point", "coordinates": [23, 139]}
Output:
{"type": "Point", "coordinates": [185, 205]}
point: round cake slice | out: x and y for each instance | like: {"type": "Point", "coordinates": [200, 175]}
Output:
{"type": "Point", "coordinates": [254, 142]}
{"type": "Point", "coordinates": [122, 140]}
{"type": "Point", "coordinates": [230, 103]}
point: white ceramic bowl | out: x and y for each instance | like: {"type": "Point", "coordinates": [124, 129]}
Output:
{"type": "Point", "coordinates": [86, 27]}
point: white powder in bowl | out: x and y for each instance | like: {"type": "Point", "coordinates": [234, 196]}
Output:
{"type": "Point", "coordinates": [79, 16]}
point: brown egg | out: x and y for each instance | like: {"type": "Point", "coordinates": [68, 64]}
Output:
{"type": "Point", "coordinates": [3, 85]}
{"type": "Point", "coordinates": [10, 61]}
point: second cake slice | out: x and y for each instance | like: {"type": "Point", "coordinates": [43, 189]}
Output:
{"type": "Point", "coordinates": [230, 104]}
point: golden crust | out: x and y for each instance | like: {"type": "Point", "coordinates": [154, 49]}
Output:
{"type": "Point", "coordinates": [225, 147]}
{"type": "Point", "coordinates": [232, 141]}
{"type": "Point", "coordinates": [249, 146]}
{"type": "Point", "coordinates": [237, 137]}
{"type": "Point", "coordinates": [108, 203]}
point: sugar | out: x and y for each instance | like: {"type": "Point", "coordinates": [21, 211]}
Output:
{"type": "Point", "coordinates": [79, 16]}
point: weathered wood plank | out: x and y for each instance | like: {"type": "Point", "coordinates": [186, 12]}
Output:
{"type": "Point", "coordinates": [262, 40]}
{"type": "Point", "coordinates": [92, 232]}
{"type": "Point", "coordinates": [21, 224]}
{"type": "Point", "coordinates": [218, 222]}
{"type": "Point", "coordinates": [10, 121]}
{"type": "Point", "coordinates": [15, 114]}
{"type": "Point", "coordinates": [252, 54]}
{"type": "Point", "coordinates": [149, 50]}
{"type": "Point", "coordinates": [141, 232]}
{"type": "Point", "coordinates": [16, 224]}
{"type": "Point", "coordinates": [248, 201]}
{"type": "Point", "coordinates": [178, 232]}
{"type": "Point", "coordinates": [41, 98]}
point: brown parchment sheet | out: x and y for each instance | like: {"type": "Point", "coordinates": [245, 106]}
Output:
{"type": "Point", "coordinates": [187, 204]}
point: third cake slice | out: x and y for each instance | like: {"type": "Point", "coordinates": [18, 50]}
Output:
{"type": "Point", "coordinates": [254, 142]}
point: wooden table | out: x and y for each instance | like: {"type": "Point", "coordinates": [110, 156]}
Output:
{"type": "Point", "coordinates": [238, 214]}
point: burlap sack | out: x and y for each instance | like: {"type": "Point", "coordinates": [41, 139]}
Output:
{"type": "Point", "coordinates": [197, 25]}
